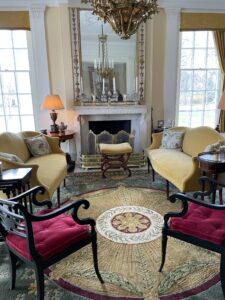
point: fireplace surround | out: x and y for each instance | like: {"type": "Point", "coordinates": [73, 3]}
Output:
{"type": "Point", "coordinates": [135, 114]}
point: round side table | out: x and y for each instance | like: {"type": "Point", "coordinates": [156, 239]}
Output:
{"type": "Point", "coordinates": [212, 163]}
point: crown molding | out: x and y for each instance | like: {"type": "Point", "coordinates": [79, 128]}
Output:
{"type": "Point", "coordinates": [184, 5]}
{"type": "Point", "coordinates": [194, 5]}
{"type": "Point", "coordinates": [26, 4]}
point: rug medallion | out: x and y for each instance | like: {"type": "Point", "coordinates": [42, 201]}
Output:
{"type": "Point", "coordinates": [129, 224]}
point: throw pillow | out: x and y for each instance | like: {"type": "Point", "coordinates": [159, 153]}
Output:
{"type": "Point", "coordinates": [11, 157]}
{"type": "Point", "coordinates": [172, 139]}
{"type": "Point", "coordinates": [215, 147]}
{"type": "Point", "coordinates": [38, 145]}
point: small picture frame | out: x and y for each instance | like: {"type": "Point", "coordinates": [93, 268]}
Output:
{"type": "Point", "coordinates": [160, 123]}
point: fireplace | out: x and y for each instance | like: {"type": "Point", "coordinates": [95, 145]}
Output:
{"type": "Point", "coordinates": [111, 126]}
{"type": "Point", "coordinates": [132, 116]}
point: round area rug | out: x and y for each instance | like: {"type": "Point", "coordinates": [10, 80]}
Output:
{"type": "Point", "coordinates": [130, 224]}
{"type": "Point", "coordinates": [130, 270]}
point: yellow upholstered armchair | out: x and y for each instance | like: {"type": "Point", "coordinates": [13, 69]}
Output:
{"type": "Point", "coordinates": [48, 169]}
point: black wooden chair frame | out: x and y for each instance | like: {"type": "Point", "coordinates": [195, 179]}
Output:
{"type": "Point", "coordinates": [166, 231]}
{"type": "Point", "coordinates": [19, 213]}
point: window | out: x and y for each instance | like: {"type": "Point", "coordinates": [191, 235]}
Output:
{"type": "Point", "coordinates": [16, 107]}
{"type": "Point", "coordinates": [199, 87]}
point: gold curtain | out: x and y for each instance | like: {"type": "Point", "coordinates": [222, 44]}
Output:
{"type": "Point", "coordinates": [202, 21]}
{"type": "Point", "coordinates": [219, 37]}
{"type": "Point", "coordinates": [14, 20]}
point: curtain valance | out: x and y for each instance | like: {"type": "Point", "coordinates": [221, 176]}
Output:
{"type": "Point", "coordinates": [202, 21]}
{"type": "Point", "coordinates": [14, 20]}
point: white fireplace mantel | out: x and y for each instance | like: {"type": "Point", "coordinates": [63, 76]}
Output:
{"type": "Point", "coordinates": [135, 113]}
{"type": "Point", "coordinates": [110, 109]}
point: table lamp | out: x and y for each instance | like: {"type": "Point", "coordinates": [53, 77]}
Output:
{"type": "Point", "coordinates": [53, 102]}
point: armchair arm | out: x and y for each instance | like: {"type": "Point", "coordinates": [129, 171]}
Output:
{"type": "Point", "coordinates": [8, 164]}
{"type": "Point", "coordinates": [54, 144]}
{"type": "Point", "coordinates": [156, 140]}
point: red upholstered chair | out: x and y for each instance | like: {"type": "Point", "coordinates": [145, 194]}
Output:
{"type": "Point", "coordinates": [46, 237]}
{"type": "Point", "coordinates": [199, 223]}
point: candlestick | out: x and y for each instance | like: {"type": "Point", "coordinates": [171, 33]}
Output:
{"type": "Point", "coordinates": [81, 85]}
{"type": "Point", "coordinates": [136, 85]}
{"type": "Point", "coordinates": [103, 86]}
{"type": "Point", "coordinates": [114, 84]}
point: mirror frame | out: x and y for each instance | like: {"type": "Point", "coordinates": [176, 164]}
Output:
{"type": "Point", "coordinates": [77, 55]}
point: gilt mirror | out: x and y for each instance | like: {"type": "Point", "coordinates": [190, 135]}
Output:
{"type": "Point", "coordinates": [94, 46]}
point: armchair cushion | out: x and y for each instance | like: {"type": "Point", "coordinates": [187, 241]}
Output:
{"type": "Point", "coordinates": [38, 145]}
{"type": "Point", "coordinates": [51, 236]}
{"type": "Point", "coordinates": [201, 222]}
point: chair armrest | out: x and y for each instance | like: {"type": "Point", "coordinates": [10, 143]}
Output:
{"type": "Point", "coordinates": [32, 193]}
{"type": "Point", "coordinates": [156, 140]}
{"type": "Point", "coordinates": [54, 144]}
{"type": "Point", "coordinates": [75, 206]}
{"type": "Point", "coordinates": [185, 199]}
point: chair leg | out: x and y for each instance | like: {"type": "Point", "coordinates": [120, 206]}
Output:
{"type": "Point", "coordinates": [167, 189]}
{"type": "Point", "coordinates": [222, 272]}
{"type": "Point", "coordinates": [164, 243]}
{"type": "Point", "coordinates": [148, 161]}
{"type": "Point", "coordinates": [39, 273]}
{"type": "Point", "coordinates": [58, 196]}
{"type": "Point", "coordinates": [13, 261]}
{"type": "Point", "coordinates": [95, 260]}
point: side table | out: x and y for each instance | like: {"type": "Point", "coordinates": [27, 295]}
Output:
{"type": "Point", "coordinates": [212, 163]}
{"type": "Point", "coordinates": [67, 135]}
{"type": "Point", "coordinates": [15, 180]}
{"type": "Point", "coordinates": [64, 136]}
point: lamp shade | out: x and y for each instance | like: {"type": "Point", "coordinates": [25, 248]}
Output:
{"type": "Point", "coordinates": [52, 102]}
{"type": "Point", "coordinates": [221, 104]}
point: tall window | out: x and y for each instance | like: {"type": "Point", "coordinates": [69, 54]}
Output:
{"type": "Point", "coordinates": [16, 108]}
{"type": "Point", "coordinates": [199, 87]}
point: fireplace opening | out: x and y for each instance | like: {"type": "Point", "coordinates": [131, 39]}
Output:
{"type": "Point", "coordinates": [111, 126]}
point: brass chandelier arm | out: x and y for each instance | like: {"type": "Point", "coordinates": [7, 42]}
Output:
{"type": "Point", "coordinates": [124, 16]}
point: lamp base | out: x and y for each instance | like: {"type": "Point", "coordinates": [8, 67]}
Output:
{"type": "Point", "coordinates": [54, 128]}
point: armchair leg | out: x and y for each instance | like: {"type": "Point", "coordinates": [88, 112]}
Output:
{"type": "Point", "coordinates": [222, 273]}
{"type": "Point", "coordinates": [13, 261]}
{"type": "Point", "coordinates": [164, 243]}
{"type": "Point", "coordinates": [95, 260]}
{"type": "Point", "coordinates": [39, 273]}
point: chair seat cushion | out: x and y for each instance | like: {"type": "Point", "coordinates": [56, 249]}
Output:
{"type": "Point", "coordinates": [122, 148]}
{"type": "Point", "coordinates": [50, 237]}
{"type": "Point", "coordinates": [201, 222]}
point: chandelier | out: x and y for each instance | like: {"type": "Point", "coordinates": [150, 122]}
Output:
{"type": "Point", "coordinates": [102, 65]}
{"type": "Point", "coordinates": [124, 16]}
